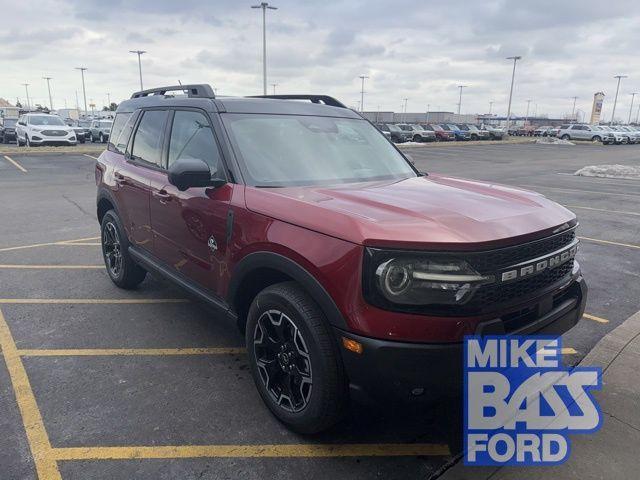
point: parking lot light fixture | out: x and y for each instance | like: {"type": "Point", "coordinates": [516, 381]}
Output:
{"type": "Point", "coordinates": [139, 53]}
{"type": "Point", "coordinates": [513, 76]}
{"type": "Point", "coordinates": [362, 77]}
{"type": "Point", "coordinates": [84, 91]}
{"type": "Point", "coordinates": [615, 100]}
{"type": "Point", "coordinates": [26, 89]}
{"type": "Point", "coordinates": [48, 79]}
{"type": "Point", "coordinates": [460, 97]}
{"type": "Point", "coordinates": [264, 6]}
{"type": "Point", "coordinates": [633, 95]}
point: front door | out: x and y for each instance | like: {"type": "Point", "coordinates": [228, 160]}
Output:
{"type": "Point", "coordinates": [189, 228]}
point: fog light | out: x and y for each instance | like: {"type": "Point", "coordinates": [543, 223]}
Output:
{"type": "Point", "coordinates": [352, 345]}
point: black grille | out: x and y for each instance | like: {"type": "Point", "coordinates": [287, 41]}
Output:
{"type": "Point", "coordinates": [496, 294]}
{"type": "Point", "coordinates": [494, 260]}
{"type": "Point", "coordinates": [54, 133]}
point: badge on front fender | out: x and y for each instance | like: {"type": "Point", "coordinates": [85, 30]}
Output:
{"type": "Point", "coordinates": [521, 404]}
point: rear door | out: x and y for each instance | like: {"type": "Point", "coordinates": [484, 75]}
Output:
{"type": "Point", "coordinates": [189, 228]}
{"type": "Point", "coordinates": [133, 176]}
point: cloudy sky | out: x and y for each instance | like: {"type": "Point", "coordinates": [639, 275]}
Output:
{"type": "Point", "coordinates": [420, 50]}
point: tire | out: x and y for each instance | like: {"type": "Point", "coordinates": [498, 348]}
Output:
{"type": "Point", "coordinates": [596, 139]}
{"type": "Point", "coordinates": [284, 318]}
{"type": "Point", "coordinates": [121, 268]}
{"type": "Point", "coordinates": [474, 137]}
{"type": "Point", "coordinates": [417, 138]}
{"type": "Point", "coordinates": [565, 137]}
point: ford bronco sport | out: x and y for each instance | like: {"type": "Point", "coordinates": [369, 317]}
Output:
{"type": "Point", "coordinates": [351, 274]}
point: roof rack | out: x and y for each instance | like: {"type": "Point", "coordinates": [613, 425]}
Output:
{"type": "Point", "coordinates": [202, 90]}
{"type": "Point", "coordinates": [326, 99]}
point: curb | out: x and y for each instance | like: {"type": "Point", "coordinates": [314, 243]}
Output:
{"type": "Point", "coordinates": [602, 355]}
{"type": "Point", "coordinates": [469, 143]}
{"type": "Point", "coordinates": [50, 150]}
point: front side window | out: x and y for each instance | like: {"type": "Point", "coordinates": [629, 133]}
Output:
{"type": "Point", "coordinates": [147, 142]}
{"type": "Point", "coordinates": [192, 137]}
{"type": "Point", "coordinates": [293, 150]}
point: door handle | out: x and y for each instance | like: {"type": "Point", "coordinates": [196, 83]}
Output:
{"type": "Point", "coordinates": [120, 179]}
{"type": "Point", "coordinates": [163, 196]}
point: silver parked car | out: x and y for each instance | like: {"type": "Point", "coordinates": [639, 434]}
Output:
{"type": "Point", "coordinates": [593, 133]}
{"type": "Point", "coordinates": [100, 130]}
{"type": "Point", "coordinates": [418, 133]}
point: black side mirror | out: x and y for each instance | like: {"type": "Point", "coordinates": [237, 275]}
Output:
{"type": "Point", "coordinates": [192, 172]}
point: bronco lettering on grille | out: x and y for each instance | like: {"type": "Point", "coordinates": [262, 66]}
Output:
{"type": "Point", "coordinates": [540, 264]}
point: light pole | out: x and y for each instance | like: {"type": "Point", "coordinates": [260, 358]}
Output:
{"type": "Point", "coordinates": [631, 108]}
{"type": "Point", "coordinates": [108, 100]}
{"type": "Point", "coordinates": [615, 100]}
{"type": "Point", "coordinates": [490, 107]}
{"type": "Point", "coordinates": [513, 76]}
{"type": "Point", "coordinates": [573, 110]}
{"type": "Point", "coordinates": [362, 77]}
{"type": "Point", "coordinates": [84, 92]}
{"type": "Point", "coordinates": [274, 85]}
{"type": "Point", "coordinates": [526, 117]}
{"type": "Point", "coordinates": [26, 89]}
{"type": "Point", "coordinates": [48, 79]}
{"type": "Point", "coordinates": [264, 6]}
{"type": "Point", "coordinates": [460, 98]}
{"type": "Point", "coordinates": [638, 114]}
{"type": "Point", "coordinates": [426, 118]}
{"type": "Point", "coordinates": [139, 53]}
{"type": "Point", "coordinates": [404, 109]}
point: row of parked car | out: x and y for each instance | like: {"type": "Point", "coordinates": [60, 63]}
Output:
{"type": "Point", "coordinates": [606, 134]}
{"type": "Point", "coordinates": [36, 128]}
{"type": "Point", "coordinates": [443, 132]}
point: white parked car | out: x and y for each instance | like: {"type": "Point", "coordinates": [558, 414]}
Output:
{"type": "Point", "coordinates": [35, 129]}
{"type": "Point", "coordinates": [620, 136]}
{"type": "Point", "coordinates": [634, 135]}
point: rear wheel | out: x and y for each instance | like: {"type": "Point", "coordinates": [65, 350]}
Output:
{"type": "Point", "coordinates": [294, 359]}
{"type": "Point", "coordinates": [565, 137]}
{"type": "Point", "coordinates": [596, 139]}
{"type": "Point", "coordinates": [121, 268]}
{"type": "Point", "coordinates": [417, 138]}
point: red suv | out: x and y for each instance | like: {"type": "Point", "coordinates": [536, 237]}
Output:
{"type": "Point", "coordinates": [351, 274]}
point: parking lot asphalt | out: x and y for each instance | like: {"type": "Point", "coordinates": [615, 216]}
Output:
{"type": "Point", "coordinates": [102, 383]}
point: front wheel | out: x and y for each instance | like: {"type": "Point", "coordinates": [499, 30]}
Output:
{"type": "Point", "coordinates": [565, 137]}
{"type": "Point", "coordinates": [121, 268]}
{"type": "Point", "coordinates": [294, 359]}
{"type": "Point", "coordinates": [596, 139]}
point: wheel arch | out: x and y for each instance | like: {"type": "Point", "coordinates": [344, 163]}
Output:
{"type": "Point", "coordinates": [104, 203]}
{"type": "Point", "coordinates": [258, 270]}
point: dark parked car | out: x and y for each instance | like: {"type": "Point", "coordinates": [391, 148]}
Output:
{"type": "Point", "coordinates": [8, 130]}
{"type": "Point", "coordinates": [347, 270]}
{"type": "Point", "coordinates": [396, 134]}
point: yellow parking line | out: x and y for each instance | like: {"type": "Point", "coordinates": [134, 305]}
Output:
{"type": "Point", "coordinates": [608, 242]}
{"type": "Point", "coordinates": [91, 300]}
{"type": "Point", "coordinates": [568, 351]}
{"type": "Point", "coordinates": [15, 164]}
{"type": "Point", "coordinates": [35, 245]}
{"type": "Point", "coordinates": [572, 190]}
{"type": "Point", "coordinates": [90, 156]}
{"type": "Point", "coordinates": [37, 437]}
{"type": "Point", "coordinates": [595, 319]}
{"type": "Point", "coordinates": [51, 267]}
{"type": "Point", "coordinates": [252, 451]}
{"type": "Point", "coordinates": [622, 212]}
{"type": "Point", "coordinates": [118, 352]}
{"type": "Point", "coordinates": [83, 244]}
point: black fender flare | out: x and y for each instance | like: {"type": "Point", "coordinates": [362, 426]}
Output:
{"type": "Point", "coordinates": [292, 269]}
{"type": "Point", "coordinates": [105, 194]}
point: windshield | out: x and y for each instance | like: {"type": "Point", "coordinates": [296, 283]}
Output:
{"type": "Point", "coordinates": [436, 128]}
{"type": "Point", "coordinates": [453, 127]}
{"type": "Point", "coordinates": [106, 124]}
{"type": "Point", "coordinates": [406, 128]}
{"type": "Point", "coordinates": [10, 122]}
{"type": "Point", "coordinates": [45, 120]}
{"type": "Point", "coordinates": [293, 150]}
{"type": "Point", "coordinates": [394, 128]}
{"type": "Point", "coordinates": [463, 127]}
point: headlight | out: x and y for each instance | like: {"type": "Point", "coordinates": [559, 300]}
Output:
{"type": "Point", "coordinates": [410, 279]}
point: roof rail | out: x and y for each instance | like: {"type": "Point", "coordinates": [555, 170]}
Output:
{"type": "Point", "coordinates": [201, 90]}
{"type": "Point", "coordinates": [326, 99]}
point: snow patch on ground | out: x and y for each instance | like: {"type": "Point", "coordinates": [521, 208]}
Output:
{"type": "Point", "coordinates": [610, 171]}
{"type": "Point", "coordinates": [553, 141]}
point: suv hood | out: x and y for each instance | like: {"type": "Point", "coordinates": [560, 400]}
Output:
{"type": "Point", "coordinates": [425, 212]}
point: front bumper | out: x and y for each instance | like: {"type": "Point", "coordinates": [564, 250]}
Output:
{"type": "Point", "coordinates": [417, 372]}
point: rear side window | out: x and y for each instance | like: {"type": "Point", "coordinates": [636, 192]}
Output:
{"type": "Point", "coordinates": [147, 142]}
{"type": "Point", "coordinates": [192, 137]}
{"type": "Point", "coordinates": [116, 144]}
